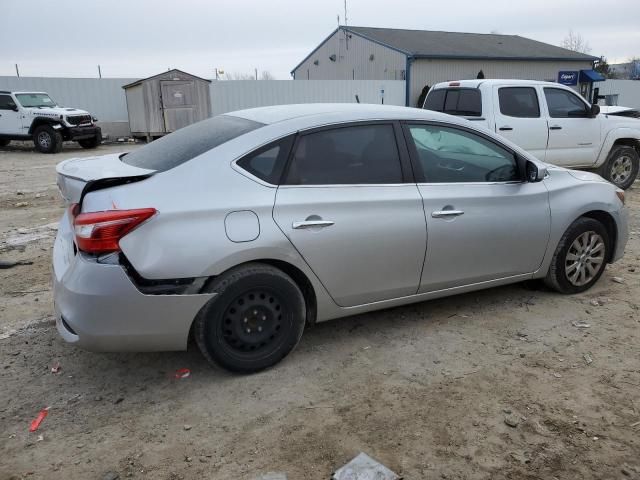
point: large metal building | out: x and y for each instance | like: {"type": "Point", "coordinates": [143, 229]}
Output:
{"type": "Point", "coordinates": [424, 58]}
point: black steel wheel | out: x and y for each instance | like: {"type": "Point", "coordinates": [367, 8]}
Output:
{"type": "Point", "coordinates": [254, 321]}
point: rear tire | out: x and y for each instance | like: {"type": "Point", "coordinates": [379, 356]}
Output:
{"type": "Point", "coordinates": [89, 143]}
{"type": "Point", "coordinates": [580, 257]}
{"type": "Point", "coordinates": [255, 320]}
{"type": "Point", "coordinates": [4, 142]}
{"type": "Point", "coordinates": [47, 140]}
{"type": "Point", "coordinates": [621, 167]}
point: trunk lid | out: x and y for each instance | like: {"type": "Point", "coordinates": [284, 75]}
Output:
{"type": "Point", "coordinates": [77, 176]}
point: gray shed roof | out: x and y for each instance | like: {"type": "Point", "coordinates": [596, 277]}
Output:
{"type": "Point", "coordinates": [457, 45]}
{"type": "Point", "coordinates": [138, 82]}
{"type": "Point", "coordinates": [433, 44]}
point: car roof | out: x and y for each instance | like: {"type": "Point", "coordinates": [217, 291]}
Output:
{"type": "Point", "coordinates": [475, 83]}
{"type": "Point", "coordinates": [17, 93]}
{"type": "Point", "coordinates": [342, 112]}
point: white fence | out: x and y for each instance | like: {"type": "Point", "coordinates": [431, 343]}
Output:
{"type": "Point", "coordinates": [628, 91]}
{"type": "Point", "coordinates": [227, 96]}
{"type": "Point", "coordinates": [102, 97]}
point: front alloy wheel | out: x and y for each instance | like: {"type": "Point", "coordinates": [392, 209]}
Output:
{"type": "Point", "coordinates": [584, 258]}
{"type": "Point", "coordinates": [621, 167]}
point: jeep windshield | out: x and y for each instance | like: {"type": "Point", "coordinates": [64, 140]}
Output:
{"type": "Point", "coordinates": [34, 100]}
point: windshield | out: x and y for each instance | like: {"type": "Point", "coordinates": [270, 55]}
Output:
{"type": "Point", "coordinates": [35, 100]}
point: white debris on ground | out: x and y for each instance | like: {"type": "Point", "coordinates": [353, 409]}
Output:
{"type": "Point", "coordinates": [22, 236]}
{"type": "Point", "coordinates": [363, 467]}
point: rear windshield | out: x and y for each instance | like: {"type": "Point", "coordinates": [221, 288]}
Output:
{"type": "Point", "coordinates": [455, 101]}
{"type": "Point", "coordinates": [189, 142]}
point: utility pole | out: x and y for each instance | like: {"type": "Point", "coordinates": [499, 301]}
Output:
{"type": "Point", "coordinates": [99, 72]}
{"type": "Point", "coordinates": [17, 71]}
{"type": "Point", "coordinates": [256, 73]}
{"type": "Point", "coordinates": [345, 13]}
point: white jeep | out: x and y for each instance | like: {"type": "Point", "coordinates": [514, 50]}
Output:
{"type": "Point", "coordinates": [550, 121]}
{"type": "Point", "coordinates": [35, 116]}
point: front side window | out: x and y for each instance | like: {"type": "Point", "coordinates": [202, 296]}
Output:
{"type": "Point", "coordinates": [564, 104]}
{"type": "Point", "coordinates": [365, 154]}
{"type": "Point", "coordinates": [449, 155]}
{"type": "Point", "coordinates": [521, 102]}
{"type": "Point", "coordinates": [268, 162]}
{"type": "Point", "coordinates": [6, 102]}
{"type": "Point", "coordinates": [455, 101]}
{"type": "Point", "coordinates": [35, 100]}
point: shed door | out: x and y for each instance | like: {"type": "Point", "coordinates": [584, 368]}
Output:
{"type": "Point", "coordinates": [178, 103]}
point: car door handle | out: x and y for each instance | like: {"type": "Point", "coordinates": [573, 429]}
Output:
{"type": "Point", "coordinates": [555, 127]}
{"type": "Point", "coordinates": [311, 224]}
{"type": "Point", "coordinates": [505, 128]}
{"type": "Point", "coordinates": [447, 213]}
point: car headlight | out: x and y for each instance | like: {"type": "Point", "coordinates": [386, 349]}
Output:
{"type": "Point", "coordinates": [620, 195]}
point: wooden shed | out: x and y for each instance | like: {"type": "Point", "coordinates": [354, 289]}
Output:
{"type": "Point", "coordinates": [166, 102]}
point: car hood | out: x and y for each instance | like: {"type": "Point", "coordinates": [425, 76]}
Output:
{"type": "Point", "coordinates": [577, 174]}
{"type": "Point", "coordinates": [54, 112]}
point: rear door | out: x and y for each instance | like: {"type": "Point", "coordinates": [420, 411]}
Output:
{"type": "Point", "coordinates": [574, 136]}
{"type": "Point", "coordinates": [178, 104]}
{"type": "Point", "coordinates": [459, 101]}
{"type": "Point", "coordinates": [484, 222]}
{"type": "Point", "coordinates": [518, 118]}
{"type": "Point", "coordinates": [350, 207]}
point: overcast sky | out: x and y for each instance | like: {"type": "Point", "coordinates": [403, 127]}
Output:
{"type": "Point", "coordinates": [138, 38]}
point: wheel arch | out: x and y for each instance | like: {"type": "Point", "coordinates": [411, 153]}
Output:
{"type": "Point", "coordinates": [38, 121]}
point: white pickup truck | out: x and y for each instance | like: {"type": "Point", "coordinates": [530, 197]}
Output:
{"type": "Point", "coordinates": [550, 121]}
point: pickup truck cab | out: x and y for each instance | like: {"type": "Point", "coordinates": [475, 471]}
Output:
{"type": "Point", "coordinates": [550, 121]}
{"type": "Point", "coordinates": [35, 116]}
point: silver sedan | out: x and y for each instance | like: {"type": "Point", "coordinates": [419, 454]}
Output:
{"type": "Point", "coordinates": [241, 229]}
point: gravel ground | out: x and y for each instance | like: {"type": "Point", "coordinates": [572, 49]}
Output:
{"type": "Point", "coordinates": [508, 383]}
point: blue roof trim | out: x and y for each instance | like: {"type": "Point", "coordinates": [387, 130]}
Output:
{"type": "Point", "coordinates": [293, 72]}
{"type": "Point", "coordinates": [588, 76]}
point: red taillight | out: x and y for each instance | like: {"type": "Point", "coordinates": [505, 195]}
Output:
{"type": "Point", "coordinates": [100, 232]}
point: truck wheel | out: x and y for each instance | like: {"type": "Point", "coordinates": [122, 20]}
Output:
{"type": "Point", "coordinates": [621, 167]}
{"type": "Point", "coordinates": [4, 142]}
{"type": "Point", "coordinates": [92, 142]}
{"type": "Point", "coordinates": [47, 140]}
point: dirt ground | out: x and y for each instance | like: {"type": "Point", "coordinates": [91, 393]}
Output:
{"type": "Point", "coordinates": [427, 389]}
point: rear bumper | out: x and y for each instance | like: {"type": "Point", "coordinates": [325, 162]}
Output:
{"type": "Point", "coordinates": [98, 308]}
{"type": "Point", "coordinates": [81, 133]}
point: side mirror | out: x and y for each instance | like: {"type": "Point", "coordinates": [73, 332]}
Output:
{"type": "Point", "coordinates": [595, 110]}
{"type": "Point", "coordinates": [535, 173]}
{"type": "Point", "coordinates": [13, 107]}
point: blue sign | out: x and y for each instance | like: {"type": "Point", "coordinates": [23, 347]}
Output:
{"type": "Point", "coordinates": [568, 78]}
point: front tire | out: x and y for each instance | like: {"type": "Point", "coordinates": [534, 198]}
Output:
{"type": "Point", "coordinates": [621, 167]}
{"type": "Point", "coordinates": [254, 321]}
{"type": "Point", "coordinates": [89, 143]}
{"type": "Point", "coordinates": [4, 142]}
{"type": "Point", "coordinates": [580, 257]}
{"type": "Point", "coordinates": [47, 140]}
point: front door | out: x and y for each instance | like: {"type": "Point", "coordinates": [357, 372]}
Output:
{"type": "Point", "coordinates": [574, 136]}
{"type": "Point", "coordinates": [483, 221]}
{"type": "Point", "coordinates": [346, 208]}
{"type": "Point", "coordinates": [178, 104]}
{"type": "Point", "coordinates": [10, 121]}
{"type": "Point", "coordinates": [518, 118]}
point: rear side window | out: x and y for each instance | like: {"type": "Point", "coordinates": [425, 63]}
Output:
{"type": "Point", "coordinates": [189, 142]}
{"type": "Point", "coordinates": [521, 102]}
{"type": "Point", "coordinates": [268, 162]}
{"type": "Point", "coordinates": [455, 101]}
{"type": "Point", "coordinates": [365, 154]}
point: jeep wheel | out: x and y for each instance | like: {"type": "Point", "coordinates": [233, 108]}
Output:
{"type": "Point", "coordinates": [621, 167]}
{"type": "Point", "coordinates": [92, 142]}
{"type": "Point", "coordinates": [47, 140]}
{"type": "Point", "coordinates": [4, 142]}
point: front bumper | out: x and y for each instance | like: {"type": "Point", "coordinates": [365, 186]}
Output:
{"type": "Point", "coordinates": [98, 307]}
{"type": "Point", "coordinates": [81, 133]}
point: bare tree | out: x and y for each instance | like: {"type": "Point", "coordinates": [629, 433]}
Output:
{"type": "Point", "coordinates": [575, 41]}
{"type": "Point", "coordinates": [266, 75]}
{"type": "Point", "coordinates": [238, 76]}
